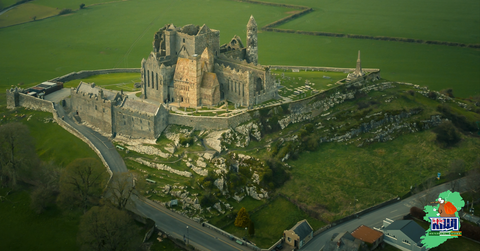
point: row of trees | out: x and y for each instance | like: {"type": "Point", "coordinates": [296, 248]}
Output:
{"type": "Point", "coordinates": [82, 185]}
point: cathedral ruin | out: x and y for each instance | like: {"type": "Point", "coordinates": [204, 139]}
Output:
{"type": "Point", "coordinates": [187, 66]}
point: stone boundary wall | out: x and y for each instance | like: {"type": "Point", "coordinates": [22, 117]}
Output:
{"type": "Point", "coordinates": [220, 231]}
{"type": "Point", "coordinates": [79, 135]}
{"type": "Point", "coordinates": [207, 122]}
{"type": "Point", "coordinates": [85, 74]}
{"type": "Point", "coordinates": [355, 215]}
{"type": "Point", "coordinates": [315, 68]}
{"type": "Point", "coordinates": [34, 103]}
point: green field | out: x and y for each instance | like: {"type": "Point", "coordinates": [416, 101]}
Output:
{"type": "Point", "coordinates": [113, 81]}
{"type": "Point", "coordinates": [25, 13]}
{"type": "Point", "coordinates": [435, 66]}
{"type": "Point", "coordinates": [441, 20]}
{"type": "Point", "coordinates": [120, 35]}
{"type": "Point", "coordinates": [22, 229]}
{"type": "Point", "coordinates": [6, 3]}
{"type": "Point", "coordinates": [271, 221]}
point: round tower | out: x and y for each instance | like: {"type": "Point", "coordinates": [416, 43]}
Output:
{"type": "Point", "coordinates": [252, 47]}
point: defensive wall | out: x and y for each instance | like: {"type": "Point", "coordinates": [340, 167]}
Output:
{"type": "Point", "coordinates": [15, 98]}
{"type": "Point", "coordinates": [85, 74]}
{"type": "Point", "coordinates": [315, 68]}
{"type": "Point", "coordinates": [208, 123]}
{"type": "Point", "coordinates": [198, 122]}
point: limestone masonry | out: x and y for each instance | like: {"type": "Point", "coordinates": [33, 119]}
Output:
{"type": "Point", "coordinates": [188, 66]}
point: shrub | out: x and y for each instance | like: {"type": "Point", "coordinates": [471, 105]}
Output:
{"type": "Point", "coordinates": [417, 213]}
{"type": "Point", "coordinates": [65, 11]}
{"type": "Point", "coordinates": [448, 92]}
{"type": "Point", "coordinates": [447, 134]}
{"type": "Point", "coordinates": [186, 140]}
{"type": "Point", "coordinates": [432, 95]}
{"type": "Point", "coordinates": [82, 6]}
{"type": "Point", "coordinates": [411, 92]}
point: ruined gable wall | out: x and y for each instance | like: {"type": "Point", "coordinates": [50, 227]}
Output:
{"type": "Point", "coordinates": [155, 79]}
{"type": "Point", "coordinates": [12, 99]}
{"type": "Point", "coordinates": [236, 54]}
{"type": "Point", "coordinates": [93, 110]}
{"type": "Point", "coordinates": [134, 124]}
{"type": "Point", "coordinates": [185, 40]}
{"type": "Point", "coordinates": [269, 90]}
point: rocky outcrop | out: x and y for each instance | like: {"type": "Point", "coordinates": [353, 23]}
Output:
{"type": "Point", "coordinates": [150, 150]}
{"type": "Point", "coordinates": [162, 167]}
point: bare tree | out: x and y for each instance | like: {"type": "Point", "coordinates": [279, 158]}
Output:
{"type": "Point", "coordinates": [121, 188]}
{"type": "Point", "coordinates": [46, 187]}
{"type": "Point", "coordinates": [107, 228]}
{"type": "Point", "coordinates": [82, 183]}
{"type": "Point", "coordinates": [425, 194]}
{"type": "Point", "coordinates": [473, 180]}
{"type": "Point", "coordinates": [17, 152]}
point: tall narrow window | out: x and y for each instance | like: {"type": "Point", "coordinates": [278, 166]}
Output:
{"type": "Point", "coordinates": [157, 81]}
{"type": "Point", "coordinates": [148, 78]}
{"type": "Point", "coordinates": [153, 80]}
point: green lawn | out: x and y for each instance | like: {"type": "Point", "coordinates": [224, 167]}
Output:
{"type": "Point", "coordinates": [53, 143]}
{"type": "Point", "coordinates": [437, 67]}
{"type": "Point", "coordinates": [113, 81]}
{"type": "Point", "coordinates": [25, 13]}
{"type": "Point", "coordinates": [271, 221]}
{"type": "Point", "coordinates": [22, 229]}
{"type": "Point", "coordinates": [322, 80]}
{"type": "Point", "coordinates": [426, 19]}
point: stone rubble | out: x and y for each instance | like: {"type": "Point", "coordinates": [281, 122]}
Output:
{"type": "Point", "coordinates": [150, 150]}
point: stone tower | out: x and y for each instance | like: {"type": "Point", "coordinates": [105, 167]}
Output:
{"type": "Point", "coordinates": [252, 47]}
{"type": "Point", "coordinates": [358, 69]}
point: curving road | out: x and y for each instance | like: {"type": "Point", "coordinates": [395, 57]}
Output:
{"type": "Point", "coordinates": [206, 239]}
{"type": "Point", "coordinates": [167, 221]}
{"type": "Point", "coordinates": [394, 211]}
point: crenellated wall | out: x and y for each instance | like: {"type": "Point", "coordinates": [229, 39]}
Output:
{"type": "Point", "coordinates": [93, 109]}
{"type": "Point", "coordinates": [15, 99]}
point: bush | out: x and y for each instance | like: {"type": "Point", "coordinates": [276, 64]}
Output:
{"type": "Point", "coordinates": [186, 140]}
{"type": "Point", "coordinates": [208, 200]}
{"type": "Point", "coordinates": [65, 11]}
{"type": "Point", "coordinates": [447, 134]}
{"type": "Point", "coordinates": [448, 92]}
{"type": "Point", "coordinates": [432, 95]}
{"type": "Point", "coordinates": [417, 213]}
{"type": "Point", "coordinates": [82, 6]}
{"type": "Point", "coordinates": [411, 92]}
{"type": "Point", "coordinates": [458, 120]}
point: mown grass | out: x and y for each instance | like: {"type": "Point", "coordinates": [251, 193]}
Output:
{"type": "Point", "coordinates": [25, 13]}
{"type": "Point", "coordinates": [427, 19]}
{"type": "Point", "coordinates": [53, 143]}
{"type": "Point", "coordinates": [69, 4]}
{"type": "Point", "coordinates": [113, 81]}
{"type": "Point", "coordinates": [271, 221]}
{"type": "Point", "coordinates": [22, 229]}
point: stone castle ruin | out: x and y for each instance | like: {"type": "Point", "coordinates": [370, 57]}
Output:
{"type": "Point", "coordinates": [186, 68]}
{"type": "Point", "coordinates": [189, 67]}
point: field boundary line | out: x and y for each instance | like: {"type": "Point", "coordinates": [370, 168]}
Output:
{"type": "Point", "coordinates": [305, 10]}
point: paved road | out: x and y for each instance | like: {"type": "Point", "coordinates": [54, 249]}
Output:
{"type": "Point", "coordinates": [395, 211]}
{"type": "Point", "coordinates": [207, 239]}
{"type": "Point", "coordinates": [166, 220]}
